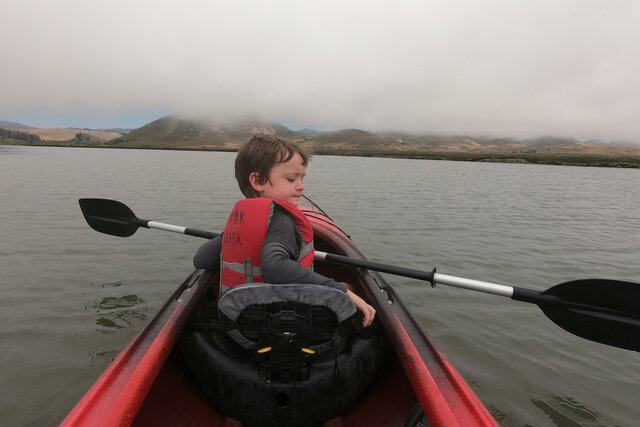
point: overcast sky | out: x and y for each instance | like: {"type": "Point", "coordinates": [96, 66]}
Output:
{"type": "Point", "coordinates": [503, 68]}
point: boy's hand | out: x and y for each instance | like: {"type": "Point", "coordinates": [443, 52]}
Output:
{"type": "Point", "coordinates": [368, 312]}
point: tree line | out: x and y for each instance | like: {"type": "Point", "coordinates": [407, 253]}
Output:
{"type": "Point", "coordinates": [16, 134]}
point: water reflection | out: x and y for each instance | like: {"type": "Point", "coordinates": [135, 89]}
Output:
{"type": "Point", "coordinates": [567, 411]}
{"type": "Point", "coordinates": [506, 419]}
{"type": "Point", "coordinates": [107, 284]}
{"type": "Point", "coordinates": [117, 312]}
{"type": "Point", "coordinates": [98, 356]}
{"type": "Point", "coordinates": [8, 149]}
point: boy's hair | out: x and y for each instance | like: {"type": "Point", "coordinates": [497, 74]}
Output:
{"type": "Point", "coordinates": [261, 154]}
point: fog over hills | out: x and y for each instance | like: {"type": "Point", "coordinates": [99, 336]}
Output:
{"type": "Point", "coordinates": [186, 133]}
{"type": "Point", "coordinates": [176, 131]}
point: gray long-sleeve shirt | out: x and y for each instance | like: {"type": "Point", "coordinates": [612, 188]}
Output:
{"type": "Point", "coordinates": [280, 249]}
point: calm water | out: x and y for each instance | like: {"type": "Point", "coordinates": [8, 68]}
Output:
{"type": "Point", "coordinates": [72, 298]}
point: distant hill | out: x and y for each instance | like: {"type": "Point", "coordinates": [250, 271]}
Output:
{"type": "Point", "coordinates": [65, 134]}
{"type": "Point", "coordinates": [359, 140]}
{"type": "Point", "coordinates": [356, 141]}
{"type": "Point", "coordinates": [13, 125]}
{"type": "Point", "coordinates": [348, 139]}
{"type": "Point", "coordinates": [176, 132]}
{"type": "Point", "coordinates": [69, 134]}
{"type": "Point", "coordinates": [118, 130]}
{"type": "Point", "coordinates": [311, 132]}
{"type": "Point", "coordinates": [625, 144]}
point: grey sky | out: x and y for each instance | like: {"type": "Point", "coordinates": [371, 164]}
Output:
{"type": "Point", "coordinates": [505, 68]}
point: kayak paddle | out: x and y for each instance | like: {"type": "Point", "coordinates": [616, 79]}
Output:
{"type": "Point", "coordinates": [600, 310]}
{"type": "Point", "coordinates": [115, 218]}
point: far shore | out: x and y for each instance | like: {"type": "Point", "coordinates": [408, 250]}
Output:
{"type": "Point", "coordinates": [560, 159]}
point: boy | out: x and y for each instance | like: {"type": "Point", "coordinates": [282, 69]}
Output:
{"type": "Point", "coordinates": [266, 237]}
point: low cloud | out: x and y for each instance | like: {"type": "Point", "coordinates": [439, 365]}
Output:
{"type": "Point", "coordinates": [495, 68]}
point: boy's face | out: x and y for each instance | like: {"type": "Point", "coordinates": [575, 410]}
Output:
{"type": "Point", "coordinates": [284, 181]}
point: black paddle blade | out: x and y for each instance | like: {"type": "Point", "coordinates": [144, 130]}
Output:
{"type": "Point", "coordinates": [109, 216]}
{"type": "Point", "coordinates": [601, 310]}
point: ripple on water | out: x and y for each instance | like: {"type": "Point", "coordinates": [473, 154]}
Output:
{"type": "Point", "coordinates": [118, 312]}
{"type": "Point", "coordinates": [567, 411]}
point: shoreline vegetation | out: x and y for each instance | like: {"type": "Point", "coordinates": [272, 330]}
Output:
{"type": "Point", "coordinates": [592, 160]}
{"type": "Point", "coordinates": [175, 133]}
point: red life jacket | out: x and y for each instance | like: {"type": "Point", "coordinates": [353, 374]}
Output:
{"type": "Point", "coordinates": [245, 233]}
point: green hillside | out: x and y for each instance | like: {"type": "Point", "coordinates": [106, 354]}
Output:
{"type": "Point", "coordinates": [346, 140]}
{"type": "Point", "coordinates": [176, 132]}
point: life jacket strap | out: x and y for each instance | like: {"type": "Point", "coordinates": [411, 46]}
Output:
{"type": "Point", "coordinates": [241, 268]}
{"type": "Point", "coordinates": [248, 271]}
{"type": "Point", "coordinates": [306, 249]}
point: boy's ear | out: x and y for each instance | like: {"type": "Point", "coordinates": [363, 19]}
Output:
{"type": "Point", "coordinates": [256, 182]}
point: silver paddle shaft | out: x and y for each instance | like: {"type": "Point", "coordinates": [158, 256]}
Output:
{"type": "Point", "coordinates": [474, 285]}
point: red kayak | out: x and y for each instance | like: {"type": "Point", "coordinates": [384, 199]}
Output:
{"type": "Point", "coordinates": [182, 368]}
